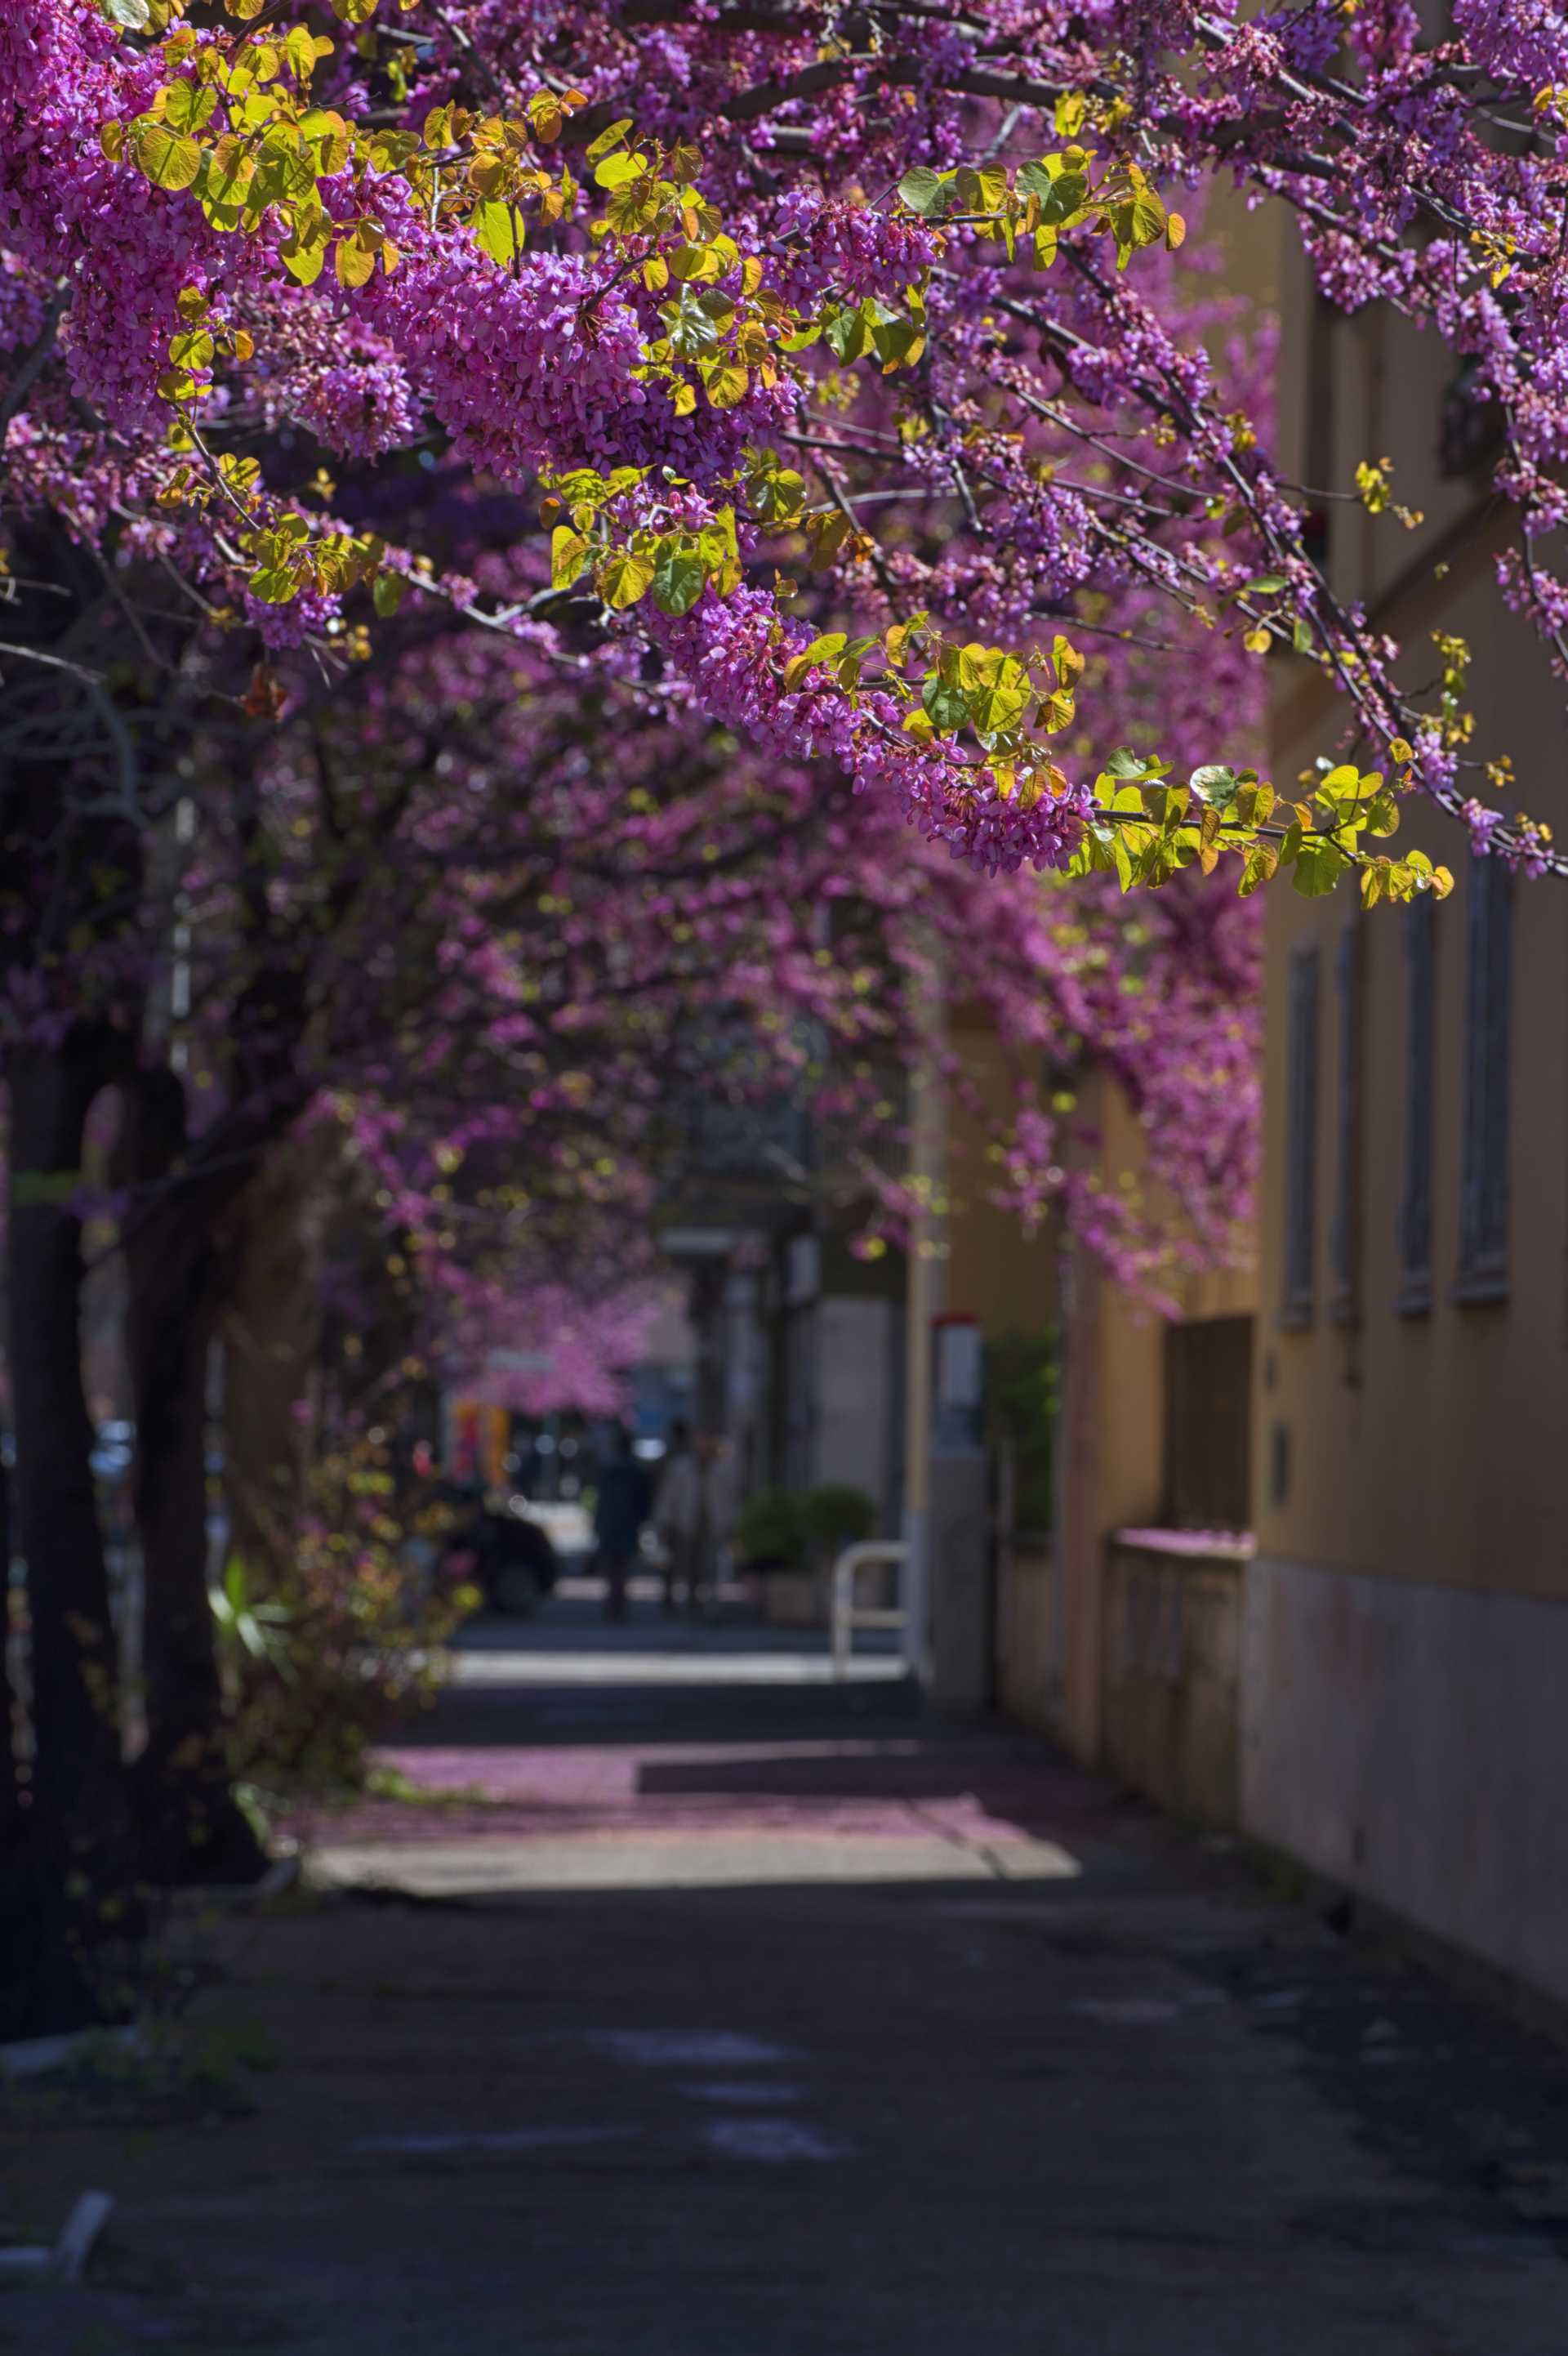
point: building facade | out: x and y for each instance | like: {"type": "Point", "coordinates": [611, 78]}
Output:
{"type": "Point", "coordinates": [1404, 1648]}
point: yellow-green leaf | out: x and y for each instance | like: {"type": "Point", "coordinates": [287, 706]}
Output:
{"type": "Point", "coordinates": [1318, 869]}
{"type": "Point", "coordinates": [608, 139]}
{"type": "Point", "coordinates": [498, 231]}
{"type": "Point", "coordinates": [617, 171]}
{"type": "Point", "coordinates": [726, 382]}
{"type": "Point", "coordinates": [544, 112]}
{"type": "Point", "coordinates": [191, 348]}
{"type": "Point", "coordinates": [622, 579]}
{"type": "Point", "coordinates": [187, 105]}
{"type": "Point", "coordinates": [978, 191]}
{"type": "Point", "coordinates": [680, 577]}
{"type": "Point", "coordinates": [568, 555]}
{"type": "Point", "coordinates": [923, 191]}
{"type": "Point", "coordinates": [273, 586]}
{"type": "Point", "coordinates": [304, 257]}
{"type": "Point", "coordinates": [353, 260]}
{"type": "Point", "coordinates": [633, 208]}
{"type": "Point", "coordinates": [1261, 861]}
{"type": "Point", "coordinates": [302, 48]}
{"type": "Point", "coordinates": [168, 158]}
{"type": "Point", "coordinates": [332, 142]}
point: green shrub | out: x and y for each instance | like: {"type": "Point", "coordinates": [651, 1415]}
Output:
{"type": "Point", "coordinates": [837, 1516]}
{"type": "Point", "coordinates": [771, 1533]}
{"type": "Point", "coordinates": [327, 1665]}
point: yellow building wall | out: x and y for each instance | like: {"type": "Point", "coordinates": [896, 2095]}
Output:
{"type": "Point", "coordinates": [1112, 1444]}
{"type": "Point", "coordinates": [1427, 1447]}
{"type": "Point", "coordinates": [992, 1269]}
{"type": "Point", "coordinates": [1404, 1646]}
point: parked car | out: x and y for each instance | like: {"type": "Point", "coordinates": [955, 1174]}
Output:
{"type": "Point", "coordinates": [506, 1555]}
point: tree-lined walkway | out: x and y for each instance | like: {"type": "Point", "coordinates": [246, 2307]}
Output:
{"type": "Point", "coordinates": [765, 2019]}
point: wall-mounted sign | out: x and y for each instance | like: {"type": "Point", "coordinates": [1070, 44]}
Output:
{"type": "Point", "coordinates": [958, 1387]}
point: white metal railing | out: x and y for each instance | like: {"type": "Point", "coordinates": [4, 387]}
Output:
{"type": "Point", "coordinates": [846, 1616]}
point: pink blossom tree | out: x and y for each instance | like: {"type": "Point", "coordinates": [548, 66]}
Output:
{"type": "Point", "coordinates": [908, 567]}
{"type": "Point", "coordinates": [731, 223]}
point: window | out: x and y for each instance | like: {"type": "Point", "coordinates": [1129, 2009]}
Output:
{"type": "Point", "coordinates": [1208, 1424]}
{"type": "Point", "coordinates": [1301, 1139]}
{"type": "Point", "coordinates": [1344, 1234]}
{"type": "Point", "coordinates": [1484, 1175]}
{"type": "Point", "coordinates": [1420, 1040]}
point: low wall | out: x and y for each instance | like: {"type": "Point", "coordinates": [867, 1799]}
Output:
{"type": "Point", "coordinates": [1410, 1741]}
{"type": "Point", "coordinates": [1171, 1713]}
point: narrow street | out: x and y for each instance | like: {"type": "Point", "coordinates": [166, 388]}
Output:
{"type": "Point", "coordinates": [725, 2012]}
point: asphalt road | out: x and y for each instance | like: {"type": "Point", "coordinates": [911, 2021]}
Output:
{"type": "Point", "coordinates": [748, 2016]}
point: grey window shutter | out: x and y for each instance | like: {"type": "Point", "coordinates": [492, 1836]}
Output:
{"type": "Point", "coordinates": [1484, 1175]}
{"type": "Point", "coordinates": [1420, 1049]}
{"type": "Point", "coordinates": [1344, 1233]}
{"type": "Point", "coordinates": [1301, 1139]}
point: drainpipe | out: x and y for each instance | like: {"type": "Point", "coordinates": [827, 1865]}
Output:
{"type": "Point", "coordinates": [922, 1304]}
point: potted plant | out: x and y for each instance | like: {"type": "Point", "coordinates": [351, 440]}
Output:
{"type": "Point", "coordinates": [834, 1516]}
{"type": "Point", "coordinates": [771, 1538]}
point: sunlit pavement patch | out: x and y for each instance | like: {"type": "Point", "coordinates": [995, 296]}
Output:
{"type": "Point", "coordinates": [498, 1866]}
{"type": "Point", "coordinates": [608, 1668]}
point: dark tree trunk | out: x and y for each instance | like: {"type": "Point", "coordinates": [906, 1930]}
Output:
{"type": "Point", "coordinates": [10, 1716]}
{"type": "Point", "coordinates": [191, 1828]}
{"type": "Point", "coordinates": [73, 1877]}
{"type": "Point", "coordinates": [272, 1336]}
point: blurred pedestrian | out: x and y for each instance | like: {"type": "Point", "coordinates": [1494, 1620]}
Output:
{"type": "Point", "coordinates": [720, 1512]}
{"type": "Point", "coordinates": [619, 1514]}
{"type": "Point", "coordinates": [678, 1514]}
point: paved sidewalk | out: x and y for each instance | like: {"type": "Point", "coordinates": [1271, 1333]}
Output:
{"type": "Point", "coordinates": [768, 2019]}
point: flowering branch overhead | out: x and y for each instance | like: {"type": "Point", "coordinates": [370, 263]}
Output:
{"type": "Point", "coordinates": [733, 290]}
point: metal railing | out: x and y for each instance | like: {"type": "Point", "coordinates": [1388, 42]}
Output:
{"type": "Point", "coordinates": [847, 1616]}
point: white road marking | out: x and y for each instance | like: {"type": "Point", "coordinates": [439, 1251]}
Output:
{"type": "Point", "coordinates": [742, 2090]}
{"type": "Point", "coordinates": [510, 2140]}
{"type": "Point", "coordinates": [657, 2048]}
{"type": "Point", "coordinates": [770, 2140]}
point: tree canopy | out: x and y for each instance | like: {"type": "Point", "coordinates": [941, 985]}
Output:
{"type": "Point", "coordinates": [745, 293]}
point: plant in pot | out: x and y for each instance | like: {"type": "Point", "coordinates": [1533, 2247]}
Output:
{"type": "Point", "coordinates": [834, 1516]}
{"type": "Point", "coordinates": [770, 1534]}
{"type": "Point", "coordinates": [773, 1539]}
{"type": "Point", "coordinates": [837, 1516]}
